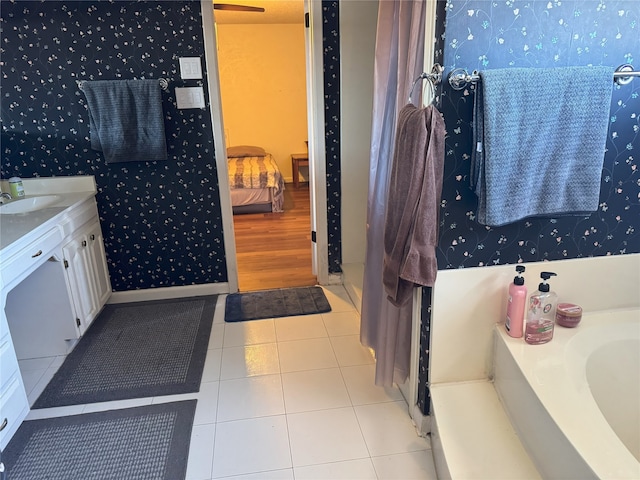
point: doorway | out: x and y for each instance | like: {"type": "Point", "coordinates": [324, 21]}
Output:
{"type": "Point", "coordinates": [264, 250]}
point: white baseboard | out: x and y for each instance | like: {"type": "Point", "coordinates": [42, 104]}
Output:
{"type": "Point", "coordinates": [334, 279]}
{"type": "Point", "coordinates": [164, 293]}
{"type": "Point", "coordinates": [421, 421]}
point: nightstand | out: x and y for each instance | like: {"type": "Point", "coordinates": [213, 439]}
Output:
{"type": "Point", "coordinates": [298, 160]}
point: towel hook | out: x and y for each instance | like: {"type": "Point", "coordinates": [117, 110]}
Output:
{"type": "Point", "coordinates": [435, 77]}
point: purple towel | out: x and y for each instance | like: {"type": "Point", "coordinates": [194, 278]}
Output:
{"type": "Point", "coordinates": [411, 223]}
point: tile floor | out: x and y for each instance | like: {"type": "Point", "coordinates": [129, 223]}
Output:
{"type": "Point", "coordinates": [287, 398]}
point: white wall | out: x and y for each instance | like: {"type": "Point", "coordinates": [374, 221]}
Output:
{"type": "Point", "coordinates": [263, 88]}
{"type": "Point", "coordinates": [357, 50]}
{"type": "Point", "coordinates": [468, 302]}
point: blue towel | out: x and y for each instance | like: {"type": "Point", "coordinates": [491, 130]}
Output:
{"type": "Point", "coordinates": [126, 119]}
{"type": "Point", "coordinates": [539, 141]}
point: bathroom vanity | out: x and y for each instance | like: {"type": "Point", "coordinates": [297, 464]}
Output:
{"type": "Point", "coordinates": [54, 280]}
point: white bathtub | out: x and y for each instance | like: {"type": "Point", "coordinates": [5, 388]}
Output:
{"type": "Point", "coordinates": [575, 402]}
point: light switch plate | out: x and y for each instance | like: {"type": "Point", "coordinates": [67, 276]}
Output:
{"type": "Point", "coordinates": [189, 97]}
{"type": "Point", "coordinates": [190, 68]}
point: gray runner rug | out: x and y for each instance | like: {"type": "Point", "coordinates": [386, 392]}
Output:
{"type": "Point", "coordinates": [134, 350]}
{"type": "Point", "coordinates": [140, 443]}
{"type": "Point", "coordinates": [283, 302]}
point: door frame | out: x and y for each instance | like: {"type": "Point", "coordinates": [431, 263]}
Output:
{"type": "Point", "coordinates": [315, 126]}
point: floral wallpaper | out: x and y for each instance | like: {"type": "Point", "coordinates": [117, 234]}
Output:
{"type": "Point", "coordinates": [481, 34]}
{"type": "Point", "coordinates": [161, 220]}
{"type": "Point", "coordinates": [331, 44]}
{"type": "Point", "coordinates": [514, 33]}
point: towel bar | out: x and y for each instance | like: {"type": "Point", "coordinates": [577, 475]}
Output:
{"type": "Point", "coordinates": [459, 78]}
{"type": "Point", "coordinates": [164, 84]}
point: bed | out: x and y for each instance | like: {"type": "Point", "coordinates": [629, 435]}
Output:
{"type": "Point", "coordinates": [255, 180]}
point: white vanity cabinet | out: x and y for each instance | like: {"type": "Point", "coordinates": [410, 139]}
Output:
{"type": "Point", "coordinates": [86, 264]}
{"type": "Point", "coordinates": [53, 283]}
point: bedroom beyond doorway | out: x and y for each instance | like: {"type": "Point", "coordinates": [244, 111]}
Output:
{"type": "Point", "coordinates": [273, 249]}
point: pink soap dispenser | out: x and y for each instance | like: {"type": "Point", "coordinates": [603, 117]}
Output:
{"type": "Point", "coordinates": [517, 302]}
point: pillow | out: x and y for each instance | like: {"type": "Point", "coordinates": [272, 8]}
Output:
{"type": "Point", "coordinates": [245, 151]}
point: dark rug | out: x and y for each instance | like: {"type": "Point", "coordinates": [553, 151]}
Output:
{"type": "Point", "coordinates": [133, 443]}
{"type": "Point", "coordinates": [283, 302]}
{"type": "Point", "coordinates": [134, 350]}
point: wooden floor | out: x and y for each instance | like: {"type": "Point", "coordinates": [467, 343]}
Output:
{"type": "Point", "coordinates": [274, 249]}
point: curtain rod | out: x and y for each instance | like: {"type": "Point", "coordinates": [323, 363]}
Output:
{"type": "Point", "coordinates": [460, 78]}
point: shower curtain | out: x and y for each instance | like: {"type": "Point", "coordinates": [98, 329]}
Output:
{"type": "Point", "coordinates": [398, 62]}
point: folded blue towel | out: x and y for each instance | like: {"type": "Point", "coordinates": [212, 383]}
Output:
{"type": "Point", "coordinates": [126, 119]}
{"type": "Point", "coordinates": [539, 138]}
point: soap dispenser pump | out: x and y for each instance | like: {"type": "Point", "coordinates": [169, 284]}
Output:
{"type": "Point", "coordinates": [514, 323]}
{"type": "Point", "coordinates": [541, 313]}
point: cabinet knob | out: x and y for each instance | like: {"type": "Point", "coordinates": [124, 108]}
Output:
{"type": "Point", "coordinates": [4, 424]}
{"type": "Point", "coordinates": [92, 237]}
{"type": "Point", "coordinates": [84, 243]}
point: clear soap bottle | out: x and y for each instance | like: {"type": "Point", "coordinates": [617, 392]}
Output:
{"type": "Point", "coordinates": [541, 313]}
{"type": "Point", "coordinates": [514, 323]}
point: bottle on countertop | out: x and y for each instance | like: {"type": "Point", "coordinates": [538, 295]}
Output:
{"type": "Point", "coordinates": [514, 323]}
{"type": "Point", "coordinates": [541, 313]}
{"type": "Point", "coordinates": [15, 187]}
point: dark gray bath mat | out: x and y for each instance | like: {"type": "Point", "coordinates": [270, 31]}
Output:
{"type": "Point", "coordinates": [283, 302]}
{"type": "Point", "coordinates": [137, 443]}
{"type": "Point", "coordinates": [134, 350]}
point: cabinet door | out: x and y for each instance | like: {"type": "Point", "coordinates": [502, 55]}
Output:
{"type": "Point", "coordinates": [80, 272]}
{"type": "Point", "coordinates": [99, 262]}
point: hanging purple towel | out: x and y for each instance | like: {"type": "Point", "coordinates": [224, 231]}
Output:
{"type": "Point", "coordinates": [126, 119]}
{"type": "Point", "coordinates": [411, 222]}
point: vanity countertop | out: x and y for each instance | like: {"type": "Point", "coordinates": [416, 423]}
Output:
{"type": "Point", "coordinates": [70, 190]}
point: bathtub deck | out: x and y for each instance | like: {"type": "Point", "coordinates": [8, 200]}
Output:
{"type": "Point", "coordinates": [474, 435]}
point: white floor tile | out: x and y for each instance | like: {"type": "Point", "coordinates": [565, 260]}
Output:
{"type": "Point", "coordinates": [200, 460]}
{"type": "Point", "coordinates": [207, 406]}
{"type": "Point", "coordinates": [251, 446]}
{"type": "Point", "coordinates": [211, 371]}
{"type": "Point", "coordinates": [406, 466]}
{"type": "Point", "coordinates": [350, 470]}
{"type": "Point", "coordinates": [117, 404]}
{"type": "Point", "coordinates": [216, 337]}
{"type": "Point", "coordinates": [325, 436]}
{"type": "Point", "coordinates": [360, 381]}
{"type": "Point", "coordinates": [349, 351]}
{"type": "Point", "coordinates": [218, 316]}
{"type": "Point", "coordinates": [286, 474]}
{"type": "Point", "coordinates": [238, 334]}
{"type": "Point", "coordinates": [338, 298]}
{"type": "Point", "coordinates": [30, 378]}
{"type": "Point", "coordinates": [342, 323]}
{"type": "Point", "coordinates": [31, 364]}
{"type": "Point", "coordinates": [250, 398]}
{"type": "Point", "coordinates": [39, 387]}
{"type": "Point", "coordinates": [55, 412]}
{"type": "Point", "coordinates": [300, 327]}
{"type": "Point", "coordinates": [314, 390]}
{"type": "Point", "coordinates": [387, 429]}
{"type": "Point", "coordinates": [240, 362]}
{"type": "Point", "coordinates": [309, 354]}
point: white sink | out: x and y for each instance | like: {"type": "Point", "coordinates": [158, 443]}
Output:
{"type": "Point", "coordinates": [29, 204]}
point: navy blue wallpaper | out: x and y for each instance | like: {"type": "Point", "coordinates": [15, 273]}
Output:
{"type": "Point", "coordinates": [161, 220]}
{"type": "Point", "coordinates": [511, 33]}
{"type": "Point", "coordinates": [482, 34]}
{"type": "Point", "coordinates": [331, 57]}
